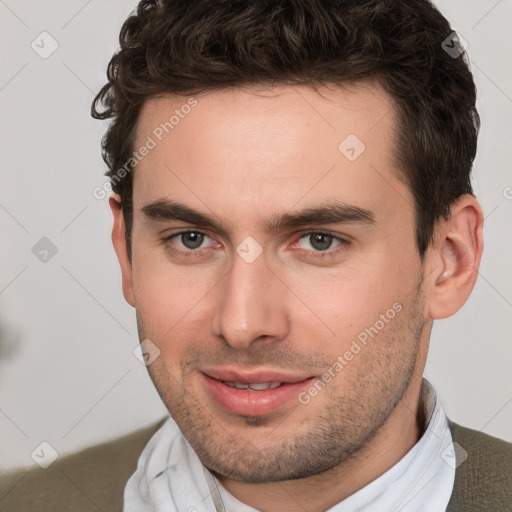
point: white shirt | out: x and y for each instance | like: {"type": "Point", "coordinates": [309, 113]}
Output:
{"type": "Point", "coordinates": [171, 478]}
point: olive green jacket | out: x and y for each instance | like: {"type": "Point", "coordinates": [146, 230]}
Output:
{"type": "Point", "coordinates": [94, 479]}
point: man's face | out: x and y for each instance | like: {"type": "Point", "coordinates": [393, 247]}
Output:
{"type": "Point", "coordinates": [327, 308]}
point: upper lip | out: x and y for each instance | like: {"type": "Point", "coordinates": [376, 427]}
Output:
{"type": "Point", "coordinates": [253, 377]}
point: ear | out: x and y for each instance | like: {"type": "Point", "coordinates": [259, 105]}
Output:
{"type": "Point", "coordinates": [456, 254]}
{"type": "Point", "coordinates": [119, 241]}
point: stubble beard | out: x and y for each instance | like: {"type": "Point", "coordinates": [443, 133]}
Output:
{"type": "Point", "coordinates": [355, 406]}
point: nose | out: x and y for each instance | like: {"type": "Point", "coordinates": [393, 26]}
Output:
{"type": "Point", "coordinates": [251, 305]}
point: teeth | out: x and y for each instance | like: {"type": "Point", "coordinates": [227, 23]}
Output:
{"type": "Point", "coordinates": [261, 385]}
{"type": "Point", "coordinates": [257, 386]}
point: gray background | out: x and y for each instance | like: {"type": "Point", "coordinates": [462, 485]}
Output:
{"type": "Point", "coordinates": [68, 375]}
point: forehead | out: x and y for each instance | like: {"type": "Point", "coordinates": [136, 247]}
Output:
{"type": "Point", "coordinates": [292, 111]}
{"type": "Point", "coordinates": [255, 150]}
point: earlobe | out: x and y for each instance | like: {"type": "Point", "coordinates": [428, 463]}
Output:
{"type": "Point", "coordinates": [457, 252]}
{"type": "Point", "coordinates": [119, 242]}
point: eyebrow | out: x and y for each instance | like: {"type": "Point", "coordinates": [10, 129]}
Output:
{"type": "Point", "coordinates": [332, 212]}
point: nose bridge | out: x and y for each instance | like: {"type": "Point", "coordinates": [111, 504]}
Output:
{"type": "Point", "coordinates": [251, 304]}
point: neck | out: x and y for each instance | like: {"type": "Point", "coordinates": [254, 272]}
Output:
{"type": "Point", "coordinates": [320, 492]}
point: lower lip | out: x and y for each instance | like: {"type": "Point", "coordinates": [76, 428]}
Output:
{"type": "Point", "coordinates": [252, 403]}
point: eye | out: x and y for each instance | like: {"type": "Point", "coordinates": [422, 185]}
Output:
{"type": "Point", "coordinates": [191, 239]}
{"type": "Point", "coordinates": [319, 241]}
{"type": "Point", "coordinates": [196, 243]}
{"type": "Point", "coordinates": [321, 245]}
{"type": "Point", "coordinates": [186, 242]}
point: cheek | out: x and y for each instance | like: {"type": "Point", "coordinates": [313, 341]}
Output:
{"type": "Point", "coordinates": [338, 305]}
{"type": "Point", "coordinates": [168, 296]}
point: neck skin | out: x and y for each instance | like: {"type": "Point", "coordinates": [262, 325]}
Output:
{"type": "Point", "coordinates": [318, 493]}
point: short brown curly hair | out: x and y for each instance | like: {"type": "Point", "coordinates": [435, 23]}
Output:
{"type": "Point", "coordinates": [186, 47]}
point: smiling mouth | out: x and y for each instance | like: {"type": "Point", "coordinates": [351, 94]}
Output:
{"type": "Point", "coordinates": [256, 386]}
{"type": "Point", "coordinates": [256, 380]}
{"type": "Point", "coordinates": [253, 393]}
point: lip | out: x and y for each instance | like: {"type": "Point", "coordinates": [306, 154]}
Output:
{"type": "Point", "coordinates": [253, 403]}
{"type": "Point", "coordinates": [244, 377]}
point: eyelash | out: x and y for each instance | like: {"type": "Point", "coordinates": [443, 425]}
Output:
{"type": "Point", "coordinates": [343, 244]}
